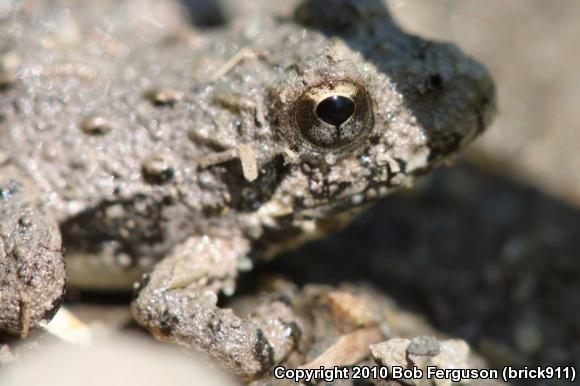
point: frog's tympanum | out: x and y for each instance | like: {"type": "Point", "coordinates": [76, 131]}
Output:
{"type": "Point", "coordinates": [147, 151]}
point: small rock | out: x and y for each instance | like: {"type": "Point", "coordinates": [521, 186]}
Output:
{"type": "Point", "coordinates": [347, 350]}
{"type": "Point", "coordinates": [421, 352]}
{"type": "Point", "coordinates": [454, 355]}
{"type": "Point", "coordinates": [354, 309]}
{"type": "Point", "coordinates": [424, 345]}
{"type": "Point", "coordinates": [392, 353]}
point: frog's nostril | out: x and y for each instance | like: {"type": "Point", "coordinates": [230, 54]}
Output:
{"type": "Point", "coordinates": [335, 110]}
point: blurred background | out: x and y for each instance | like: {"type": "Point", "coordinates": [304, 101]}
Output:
{"type": "Point", "coordinates": [530, 48]}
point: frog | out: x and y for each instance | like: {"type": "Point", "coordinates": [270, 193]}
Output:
{"type": "Point", "coordinates": [154, 156]}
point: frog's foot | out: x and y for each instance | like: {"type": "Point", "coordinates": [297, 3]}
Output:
{"type": "Point", "coordinates": [177, 302]}
{"type": "Point", "coordinates": [32, 273]}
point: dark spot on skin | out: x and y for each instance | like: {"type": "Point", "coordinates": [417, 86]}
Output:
{"type": "Point", "coordinates": [215, 326]}
{"type": "Point", "coordinates": [257, 120]}
{"type": "Point", "coordinates": [159, 177]}
{"type": "Point", "coordinates": [158, 170]}
{"type": "Point", "coordinates": [214, 210]}
{"type": "Point", "coordinates": [24, 222]}
{"type": "Point", "coordinates": [168, 200]}
{"type": "Point", "coordinates": [6, 80]}
{"type": "Point", "coordinates": [434, 83]}
{"type": "Point", "coordinates": [295, 331]}
{"type": "Point", "coordinates": [249, 196]}
{"type": "Point", "coordinates": [140, 227]}
{"type": "Point", "coordinates": [329, 191]}
{"type": "Point", "coordinates": [298, 202]}
{"type": "Point", "coordinates": [54, 307]}
{"type": "Point", "coordinates": [164, 98]}
{"type": "Point", "coordinates": [374, 139]}
{"type": "Point", "coordinates": [444, 145]}
{"type": "Point", "coordinates": [167, 321]}
{"type": "Point", "coordinates": [264, 351]}
{"type": "Point", "coordinates": [96, 125]}
{"type": "Point", "coordinates": [205, 13]}
{"type": "Point", "coordinates": [402, 164]}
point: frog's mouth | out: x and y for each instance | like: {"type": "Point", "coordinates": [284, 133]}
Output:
{"type": "Point", "coordinates": [346, 204]}
{"type": "Point", "coordinates": [309, 224]}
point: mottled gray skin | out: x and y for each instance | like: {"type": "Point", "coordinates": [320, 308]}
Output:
{"type": "Point", "coordinates": [121, 128]}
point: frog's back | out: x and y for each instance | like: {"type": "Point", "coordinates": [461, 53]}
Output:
{"type": "Point", "coordinates": [110, 112]}
{"type": "Point", "coordinates": [83, 115]}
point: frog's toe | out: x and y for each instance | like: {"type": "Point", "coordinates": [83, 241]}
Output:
{"type": "Point", "coordinates": [178, 302]}
{"type": "Point", "coordinates": [32, 272]}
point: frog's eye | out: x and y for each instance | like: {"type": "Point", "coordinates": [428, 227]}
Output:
{"type": "Point", "coordinates": [334, 114]}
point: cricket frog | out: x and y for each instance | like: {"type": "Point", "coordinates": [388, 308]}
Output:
{"type": "Point", "coordinates": [148, 151]}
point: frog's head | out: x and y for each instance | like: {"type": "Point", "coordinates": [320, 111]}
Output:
{"type": "Point", "coordinates": [372, 110]}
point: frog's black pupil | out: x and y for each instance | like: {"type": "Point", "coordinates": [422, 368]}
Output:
{"type": "Point", "coordinates": [335, 110]}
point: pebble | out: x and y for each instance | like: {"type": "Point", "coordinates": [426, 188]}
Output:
{"type": "Point", "coordinates": [421, 352]}
{"type": "Point", "coordinates": [424, 345]}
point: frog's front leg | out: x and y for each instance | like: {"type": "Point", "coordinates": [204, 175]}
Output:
{"type": "Point", "coordinates": [32, 272]}
{"type": "Point", "coordinates": [177, 302]}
